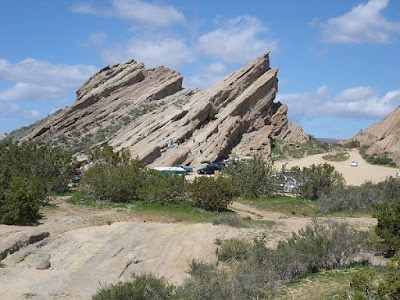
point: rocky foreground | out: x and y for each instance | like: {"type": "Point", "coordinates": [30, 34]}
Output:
{"type": "Point", "coordinates": [148, 112]}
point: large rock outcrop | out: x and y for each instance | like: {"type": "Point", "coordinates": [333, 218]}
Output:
{"type": "Point", "coordinates": [148, 112]}
{"type": "Point", "coordinates": [383, 138]}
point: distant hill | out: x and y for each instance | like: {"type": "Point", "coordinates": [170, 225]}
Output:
{"type": "Point", "coordinates": [161, 123]}
{"type": "Point", "coordinates": [327, 140]}
{"type": "Point", "coordinates": [383, 138]}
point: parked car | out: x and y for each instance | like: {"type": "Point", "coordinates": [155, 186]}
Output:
{"type": "Point", "coordinates": [171, 170]}
{"type": "Point", "coordinates": [210, 169]}
{"type": "Point", "coordinates": [186, 168]}
{"type": "Point", "coordinates": [354, 163]}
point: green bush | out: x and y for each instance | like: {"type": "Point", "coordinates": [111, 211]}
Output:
{"type": "Point", "coordinates": [318, 180]}
{"type": "Point", "coordinates": [233, 250]}
{"type": "Point", "coordinates": [388, 227]}
{"type": "Point", "coordinates": [114, 179]}
{"type": "Point", "coordinates": [210, 193]}
{"type": "Point", "coordinates": [252, 178]}
{"type": "Point", "coordinates": [163, 188]}
{"type": "Point", "coordinates": [143, 287]}
{"type": "Point", "coordinates": [28, 174]}
{"type": "Point", "coordinates": [390, 286]}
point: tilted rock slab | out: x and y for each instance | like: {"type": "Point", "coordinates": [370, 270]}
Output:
{"type": "Point", "coordinates": [383, 137]}
{"type": "Point", "coordinates": [148, 112]}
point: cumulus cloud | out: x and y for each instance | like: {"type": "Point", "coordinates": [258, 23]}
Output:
{"type": "Point", "coordinates": [39, 80]}
{"type": "Point", "coordinates": [207, 76]}
{"type": "Point", "coordinates": [363, 24]}
{"type": "Point", "coordinates": [237, 41]}
{"type": "Point", "coordinates": [153, 51]}
{"type": "Point", "coordinates": [134, 11]}
{"type": "Point", "coordinates": [12, 110]}
{"type": "Point", "coordinates": [358, 102]}
{"type": "Point", "coordinates": [30, 91]}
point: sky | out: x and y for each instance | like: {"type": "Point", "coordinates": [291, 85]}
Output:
{"type": "Point", "coordinates": [339, 61]}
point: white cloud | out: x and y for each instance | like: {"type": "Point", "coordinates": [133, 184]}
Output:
{"type": "Point", "coordinates": [39, 80]}
{"type": "Point", "coordinates": [12, 110]}
{"type": "Point", "coordinates": [238, 41]}
{"type": "Point", "coordinates": [41, 72]}
{"type": "Point", "coordinates": [30, 91]}
{"type": "Point", "coordinates": [352, 103]}
{"type": "Point", "coordinates": [363, 24]}
{"type": "Point", "coordinates": [135, 11]}
{"type": "Point", "coordinates": [207, 76]}
{"type": "Point", "coordinates": [153, 51]}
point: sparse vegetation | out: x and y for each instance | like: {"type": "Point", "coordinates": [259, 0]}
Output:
{"type": "Point", "coordinates": [337, 156]}
{"type": "Point", "coordinates": [283, 150]}
{"type": "Point", "coordinates": [376, 159]}
{"type": "Point", "coordinates": [230, 220]}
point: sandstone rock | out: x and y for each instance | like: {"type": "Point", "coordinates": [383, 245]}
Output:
{"type": "Point", "coordinates": [383, 137]}
{"type": "Point", "coordinates": [43, 265]}
{"type": "Point", "coordinates": [148, 112]}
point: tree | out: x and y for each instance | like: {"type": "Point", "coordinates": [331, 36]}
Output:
{"type": "Point", "coordinates": [252, 178]}
{"type": "Point", "coordinates": [388, 227]}
{"type": "Point", "coordinates": [318, 180]}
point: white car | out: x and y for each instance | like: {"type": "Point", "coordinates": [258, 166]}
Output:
{"type": "Point", "coordinates": [354, 163]}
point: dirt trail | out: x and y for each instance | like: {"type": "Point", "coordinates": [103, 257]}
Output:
{"type": "Point", "coordinates": [293, 224]}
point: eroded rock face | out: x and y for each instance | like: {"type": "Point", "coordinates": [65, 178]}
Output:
{"type": "Point", "coordinates": [148, 112]}
{"type": "Point", "coordinates": [383, 137]}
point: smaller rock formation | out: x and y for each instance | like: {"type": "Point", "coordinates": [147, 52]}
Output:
{"type": "Point", "coordinates": [382, 138]}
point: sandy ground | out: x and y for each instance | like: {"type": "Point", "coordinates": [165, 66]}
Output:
{"type": "Point", "coordinates": [85, 256]}
{"type": "Point", "coordinates": [353, 175]}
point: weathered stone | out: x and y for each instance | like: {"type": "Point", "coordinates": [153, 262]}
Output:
{"type": "Point", "coordinates": [148, 112]}
{"type": "Point", "coordinates": [43, 265]}
{"type": "Point", "coordinates": [383, 138]}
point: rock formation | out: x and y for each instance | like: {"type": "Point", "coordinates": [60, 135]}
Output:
{"type": "Point", "coordinates": [148, 112]}
{"type": "Point", "coordinates": [383, 137]}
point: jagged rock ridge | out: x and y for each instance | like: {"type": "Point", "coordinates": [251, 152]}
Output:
{"type": "Point", "coordinates": [148, 112]}
{"type": "Point", "coordinates": [383, 137]}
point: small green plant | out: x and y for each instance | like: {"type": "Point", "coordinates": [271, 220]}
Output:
{"type": "Point", "coordinates": [233, 250]}
{"type": "Point", "coordinates": [142, 287]}
{"type": "Point", "coordinates": [230, 220]}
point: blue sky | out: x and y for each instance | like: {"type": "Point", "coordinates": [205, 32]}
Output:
{"type": "Point", "coordinates": [339, 61]}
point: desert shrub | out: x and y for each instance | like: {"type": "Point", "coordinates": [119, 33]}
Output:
{"type": "Point", "coordinates": [390, 285]}
{"type": "Point", "coordinates": [231, 220]}
{"type": "Point", "coordinates": [317, 180]}
{"type": "Point", "coordinates": [20, 198]}
{"type": "Point", "coordinates": [163, 188]}
{"type": "Point", "coordinates": [388, 227]}
{"type": "Point", "coordinates": [206, 283]}
{"type": "Point", "coordinates": [28, 174]}
{"type": "Point", "coordinates": [390, 188]}
{"type": "Point", "coordinates": [143, 287]}
{"type": "Point", "coordinates": [366, 285]}
{"type": "Point", "coordinates": [210, 193]}
{"type": "Point", "coordinates": [116, 182]}
{"type": "Point", "coordinates": [233, 250]}
{"type": "Point", "coordinates": [339, 156]}
{"type": "Point", "coordinates": [366, 198]}
{"type": "Point", "coordinates": [252, 178]}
